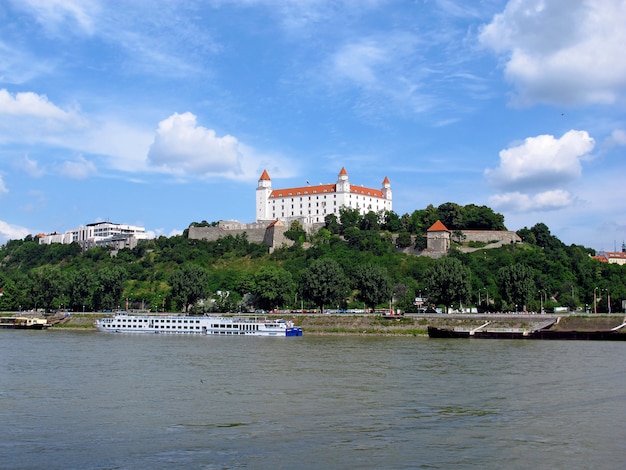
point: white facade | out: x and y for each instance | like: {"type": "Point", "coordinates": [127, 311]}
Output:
{"type": "Point", "coordinates": [98, 234]}
{"type": "Point", "coordinates": [311, 204]}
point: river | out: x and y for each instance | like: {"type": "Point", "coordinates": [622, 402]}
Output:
{"type": "Point", "coordinates": [88, 400]}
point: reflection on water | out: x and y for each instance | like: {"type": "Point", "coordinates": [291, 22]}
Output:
{"type": "Point", "coordinates": [92, 400]}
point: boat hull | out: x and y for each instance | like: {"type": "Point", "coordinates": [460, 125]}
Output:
{"type": "Point", "coordinates": [23, 323]}
{"type": "Point", "coordinates": [25, 327]}
{"type": "Point", "coordinates": [602, 335]}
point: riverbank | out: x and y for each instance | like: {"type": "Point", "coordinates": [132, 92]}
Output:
{"type": "Point", "coordinates": [408, 325]}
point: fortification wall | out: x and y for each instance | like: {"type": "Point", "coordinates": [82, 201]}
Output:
{"type": "Point", "coordinates": [255, 233]}
{"type": "Point", "coordinates": [491, 236]}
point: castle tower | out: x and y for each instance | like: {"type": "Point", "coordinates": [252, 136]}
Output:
{"type": "Point", "coordinates": [386, 189]}
{"type": "Point", "coordinates": [263, 192]}
{"type": "Point", "coordinates": [438, 239]}
{"type": "Point", "coordinates": [343, 184]}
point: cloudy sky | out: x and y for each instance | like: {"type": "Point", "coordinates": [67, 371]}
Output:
{"type": "Point", "coordinates": [162, 113]}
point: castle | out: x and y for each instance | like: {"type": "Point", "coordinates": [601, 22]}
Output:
{"type": "Point", "coordinates": [312, 203]}
{"type": "Point", "coordinates": [276, 209]}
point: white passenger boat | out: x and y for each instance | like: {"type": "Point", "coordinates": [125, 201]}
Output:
{"type": "Point", "coordinates": [205, 325]}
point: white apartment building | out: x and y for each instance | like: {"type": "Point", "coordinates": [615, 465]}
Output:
{"type": "Point", "coordinates": [310, 204]}
{"type": "Point", "coordinates": [99, 234]}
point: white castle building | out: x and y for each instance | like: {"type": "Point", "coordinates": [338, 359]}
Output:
{"type": "Point", "coordinates": [312, 203]}
{"type": "Point", "coordinates": [99, 234]}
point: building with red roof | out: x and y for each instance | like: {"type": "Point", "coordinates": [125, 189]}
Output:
{"type": "Point", "coordinates": [310, 204]}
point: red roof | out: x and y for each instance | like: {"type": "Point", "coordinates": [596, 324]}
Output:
{"type": "Point", "coordinates": [366, 191]}
{"type": "Point", "coordinates": [343, 171]}
{"type": "Point", "coordinates": [438, 227]}
{"type": "Point", "coordinates": [304, 190]}
{"type": "Point", "coordinates": [386, 181]}
{"type": "Point", "coordinates": [323, 189]}
{"type": "Point", "coordinates": [264, 176]}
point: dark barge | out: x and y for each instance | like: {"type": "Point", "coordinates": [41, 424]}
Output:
{"type": "Point", "coordinates": [543, 331]}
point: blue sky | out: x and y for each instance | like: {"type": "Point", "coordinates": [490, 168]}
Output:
{"type": "Point", "coordinates": [162, 113]}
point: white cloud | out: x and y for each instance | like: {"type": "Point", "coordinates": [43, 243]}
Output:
{"type": "Point", "coordinates": [11, 232]}
{"type": "Point", "coordinates": [519, 202]}
{"type": "Point", "coordinates": [542, 162]}
{"type": "Point", "coordinates": [3, 188]}
{"type": "Point", "coordinates": [183, 147]}
{"type": "Point", "coordinates": [29, 117]}
{"type": "Point", "coordinates": [618, 137]}
{"type": "Point", "coordinates": [125, 144]}
{"type": "Point", "coordinates": [372, 62]}
{"type": "Point", "coordinates": [78, 169]}
{"type": "Point", "coordinates": [30, 104]}
{"type": "Point", "coordinates": [562, 52]}
{"type": "Point", "coordinates": [31, 167]}
{"type": "Point", "coordinates": [53, 14]}
{"type": "Point", "coordinates": [359, 62]}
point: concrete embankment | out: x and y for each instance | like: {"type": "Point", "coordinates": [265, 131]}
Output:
{"type": "Point", "coordinates": [410, 325]}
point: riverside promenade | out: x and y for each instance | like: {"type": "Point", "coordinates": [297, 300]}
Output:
{"type": "Point", "coordinates": [407, 325]}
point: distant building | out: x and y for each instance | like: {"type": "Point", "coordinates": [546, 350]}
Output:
{"type": "Point", "coordinates": [117, 236]}
{"type": "Point", "coordinates": [312, 203]}
{"type": "Point", "coordinates": [612, 257]}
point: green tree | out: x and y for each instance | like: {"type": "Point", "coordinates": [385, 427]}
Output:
{"type": "Point", "coordinates": [332, 224]}
{"type": "Point", "coordinates": [109, 284]}
{"type": "Point", "coordinates": [370, 221]}
{"type": "Point", "coordinates": [189, 285]}
{"type": "Point", "coordinates": [391, 222]}
{"type": "Point", "coordinates": [324, 283]}
{"type": "Point", "coordinates": [349, 218]}
{"type": "Point", "coordinates": [516, 284]}
{"type": "Point", "coordinates": [80, 289]}
{"type": "Point", "coordinates": [450, 215]}
{"type": "Point", "coordinates": [527, 236]}
{"type": "Point", "coordinates": [448, 281]}
{"type": "Point", "coordinates": [373, 284]}
{"type": "Point", "coordinates": [403, 240]}
{"type": "Point", "coordinates": [296, 232]}
{"type": "Point", "coordinates": [272, 287]}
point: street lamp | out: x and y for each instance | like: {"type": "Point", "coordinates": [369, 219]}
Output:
{"type": "Point", "coordinates": [595, 300]}
{"type": "Point", "coordinates": [541, 301]}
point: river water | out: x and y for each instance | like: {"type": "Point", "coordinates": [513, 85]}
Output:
{"type": "Point", "coordinates": [88, 400]}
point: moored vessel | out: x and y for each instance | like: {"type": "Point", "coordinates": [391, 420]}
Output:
{"type": "Point", "coordinates": [23, 323]}
{"type": "Point", "coordinates": [543, 331]}
{"type": "Point", "coordinates": [200, 325]}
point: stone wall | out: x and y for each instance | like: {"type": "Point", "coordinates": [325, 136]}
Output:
{"type": "Point", "coordinates": [496, 237]}
{"type": "Point", "coordinates": [272, 234]}
{"type": "Point", "coordinates": [254, 232]}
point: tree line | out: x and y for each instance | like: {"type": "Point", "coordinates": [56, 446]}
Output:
{"type": "Point", "coordinates": [355, 261]}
